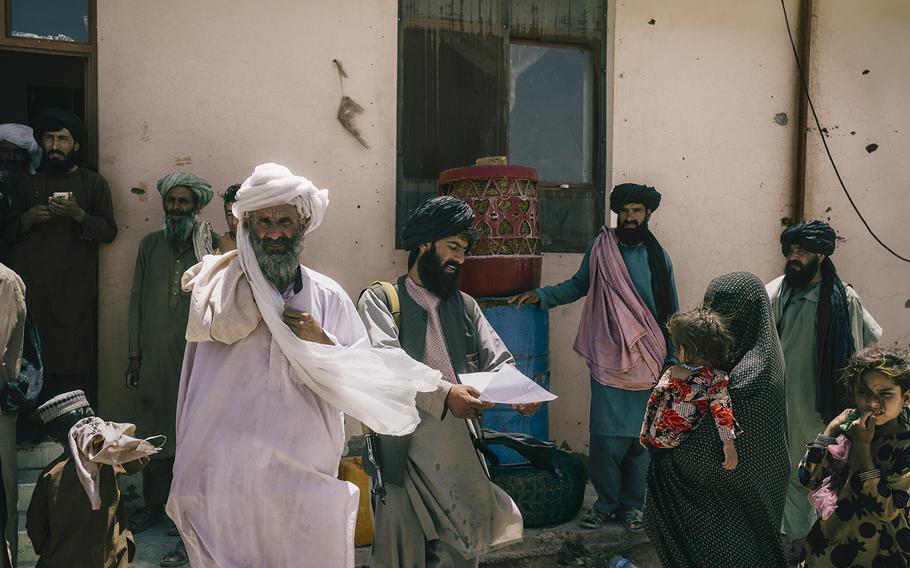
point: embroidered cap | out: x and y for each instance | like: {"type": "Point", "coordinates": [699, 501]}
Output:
{"type": "Point", "coordinates": [61, 404]}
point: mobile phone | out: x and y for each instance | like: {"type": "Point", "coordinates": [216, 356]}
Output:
{"type": "Point", "coordinates": [62, 195]}
{"type": "Point", "coordinates": [850, 419]}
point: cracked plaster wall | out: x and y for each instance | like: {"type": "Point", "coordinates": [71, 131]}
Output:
{"type": "Point", "coordinates": [859, 81]}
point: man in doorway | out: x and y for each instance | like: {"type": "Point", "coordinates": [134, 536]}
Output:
{"type": "Point", "coordinates": [443, 510]}
{"type": "Point", "coordinates": [628, 279]}
{"type": "Point", "coordinates": [158, 314]}
{"type": "Point", "coordinates": [275, 354]}
{"type": "Point", "coordinates": [229, 239]}
{"type": "Point", "coordinates": [821, 323]}
{"type": "Point", "coordinates": [20, 156]}
{"type": "Point", "coordinates": [12, 335]}
{"type": "Point", "coordinates": [67, 213]}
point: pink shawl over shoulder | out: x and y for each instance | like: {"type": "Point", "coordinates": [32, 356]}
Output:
{"type": "Point", "coordinates": [618, 336]}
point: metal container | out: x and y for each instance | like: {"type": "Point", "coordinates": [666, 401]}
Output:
{"type": "Point", "coordinates": [525, 331]}
{"type": "Point", "coordinates": [506, 257]}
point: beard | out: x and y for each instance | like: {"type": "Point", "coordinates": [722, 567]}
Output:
{"type": "Point", "coordinates": [799, 276]}
{"type": "Point", "coordinates": [632, 235]}
{"type": "Point", "coordinates": [59, 166]}
{"type": "Point", "coordinates": [179, 228]}
{"type": "Point", "coordinates": [279, 268]}
{"type": "Point", "coordinates": [432, 273]}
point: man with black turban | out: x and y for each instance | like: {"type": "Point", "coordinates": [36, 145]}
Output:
{"type": "Point", "coordinates": [628, 280]}
{"type": "Point", "coordinates": [440, 509]}
{"type": "Point", "coordinates": [66, 212]}
{"type": "Point", "coordinates": [821, 323]}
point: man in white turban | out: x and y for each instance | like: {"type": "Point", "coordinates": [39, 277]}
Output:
{"type": "Point", "coordinates": [276, 353]}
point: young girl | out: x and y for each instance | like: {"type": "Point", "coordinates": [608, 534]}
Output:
{"type": "Point", "coordinates": [869, 486]}
{"type": "Point", "coordinates": [694, 387]}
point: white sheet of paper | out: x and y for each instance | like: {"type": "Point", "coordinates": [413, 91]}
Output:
{"type": "Point", "coordinates": [507, 386]}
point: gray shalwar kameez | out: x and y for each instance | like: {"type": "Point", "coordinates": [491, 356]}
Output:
{"type": "Point", "coordinates": [448, 513]}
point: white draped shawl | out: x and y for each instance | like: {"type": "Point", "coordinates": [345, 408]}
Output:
{"type": "Point", "coordinates": [375, 386]}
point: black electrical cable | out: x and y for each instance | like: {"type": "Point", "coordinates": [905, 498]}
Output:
{"type": "Point", "coordinates": [802, 79]}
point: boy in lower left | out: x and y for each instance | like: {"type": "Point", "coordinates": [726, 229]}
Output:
{"type": "Point", "coordinates": [75, 518]}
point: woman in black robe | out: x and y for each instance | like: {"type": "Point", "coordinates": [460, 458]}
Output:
{"type": "Point", "coordinates": [696, 513]}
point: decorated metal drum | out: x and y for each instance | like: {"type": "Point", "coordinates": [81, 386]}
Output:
{"type": "Point", "coordinates": [506, 257]}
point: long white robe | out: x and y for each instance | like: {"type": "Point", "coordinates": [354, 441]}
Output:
{"type": "Point", "coordinates": [257, 453]}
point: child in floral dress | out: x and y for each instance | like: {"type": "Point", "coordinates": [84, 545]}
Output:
{"type": "Point", "coordinates": [860, 480]}
{"type": "Point", "coordinates": [696, 386]}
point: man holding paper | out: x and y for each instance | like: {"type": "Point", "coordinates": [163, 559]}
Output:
{"type": "Point", "coordinates": [441, 509]}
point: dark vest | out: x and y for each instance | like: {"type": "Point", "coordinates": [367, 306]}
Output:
{"type": "Point", "coordinates": [455, 314]}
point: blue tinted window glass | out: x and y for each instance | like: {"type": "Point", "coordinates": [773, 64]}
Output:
{"type": "Point", "coordinates": [61, 20]}
{"type": "Point", "coordinates": [551, 111]}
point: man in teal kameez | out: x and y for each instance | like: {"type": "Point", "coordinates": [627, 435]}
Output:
{"type": "Point", "coordinates": [618, 463]}
{"type": "Point", "coordinates": [812, 305]}
{"type": "Point", "coordinates": [159, 309]}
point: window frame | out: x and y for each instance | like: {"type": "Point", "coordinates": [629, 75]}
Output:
{"type": "Point", "coordinates": [569, 188]}
{"type": "Point", "coordinates": [88, 52]}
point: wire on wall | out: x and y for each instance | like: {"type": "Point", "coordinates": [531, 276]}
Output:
{"type": "Point", "coordinates": [821, 133]}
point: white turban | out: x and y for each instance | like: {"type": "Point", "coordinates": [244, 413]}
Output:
{"type": "Point", "coordinates": [376, 386]}
{"type": "Point", "coordinates": [22, 136]}
{"type": "Point", "coordinates": [274, 184]}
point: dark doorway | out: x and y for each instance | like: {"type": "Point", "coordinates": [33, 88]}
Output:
{"type": "Point", "coordinates": [34, 81]}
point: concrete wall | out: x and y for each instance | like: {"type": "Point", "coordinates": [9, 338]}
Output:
{"type": "Point", "coordinates": [695, 88]}
{"type": "Point", "coordinates": [860, 74]}
{"type": "Point", "coordinates": [197, 87]}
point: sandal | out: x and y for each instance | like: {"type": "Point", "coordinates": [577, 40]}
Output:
{"type": "Point", "coordinates": [631, 519]}
{"type": "Point", "coordinates": [593, 520]}
{"type": "Point", "coordinates": [145, 518]}
{"type": "Point", "coordinates": [176, 557]}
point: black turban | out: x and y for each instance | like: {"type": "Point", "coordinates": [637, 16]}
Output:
{"type": "Point", "coordinates": [634, 193]}
{"type": "Point", "coordinates": [54, 119]}
{"type": "Point", "coordinates": [814, 236]}
{"type": "Point", "coordinates": [436, 219]}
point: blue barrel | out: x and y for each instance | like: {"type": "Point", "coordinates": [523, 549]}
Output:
{"type": "Point", "coordinates": [526, 333]}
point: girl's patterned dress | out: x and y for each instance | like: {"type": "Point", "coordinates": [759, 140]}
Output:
{"type": "Point", "coordinates": [869, 528]}
{"type": "Point", "coordinates": [677, 405]}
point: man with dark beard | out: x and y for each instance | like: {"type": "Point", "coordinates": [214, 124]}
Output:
{"type": "Point", "coordinates": [628, 280]}
{"type": "Point", "coordinates": [159, 309]}
{"type": "Point", "coordinates": [440, 509]}
{"type": "Point", "coordinates": [66, 212]}
{"type": "Point", "coordinates": [821, 323]}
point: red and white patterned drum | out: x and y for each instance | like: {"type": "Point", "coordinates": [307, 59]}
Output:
{"type": "Point", "coordinates": [506, 257]}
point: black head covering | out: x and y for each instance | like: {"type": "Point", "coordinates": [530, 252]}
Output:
{"type": "Point", "coordinates": [436, 219]}
{"type": "Point", "coordinates": [54, 119]}
{"type": "Point", "coordinates": [687, 486]}
{"type": "Point", "coordinates": [813, 236]}
{"type": "Point", "coordinates": [634, 193]}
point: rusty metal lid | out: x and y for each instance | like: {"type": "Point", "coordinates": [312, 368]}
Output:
{"type": "Point", "coordinates": [486, 172]}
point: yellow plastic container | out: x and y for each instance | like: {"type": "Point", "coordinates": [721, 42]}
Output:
{"type": "Point", "coordinates": [351, 469]}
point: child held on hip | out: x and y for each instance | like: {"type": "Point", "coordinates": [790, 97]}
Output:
{"type": "Point", "coordinates": [693, 388]}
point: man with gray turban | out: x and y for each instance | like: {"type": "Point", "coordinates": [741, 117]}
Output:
{"type": "Point", "coordinates": [66, 213]}
{"type": "Point", "coordinates": [821, 323]}
{"type": "Point", "coordinates": [275, 354]}
{"type": "Point", "coordinates": [158, 314]}
{"type": "Point", "coordinates": [439, 509]}
{"type": "Point", "coordinates": [628, 279]}
{"type": "Point", "coordinates": [20, 155]}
